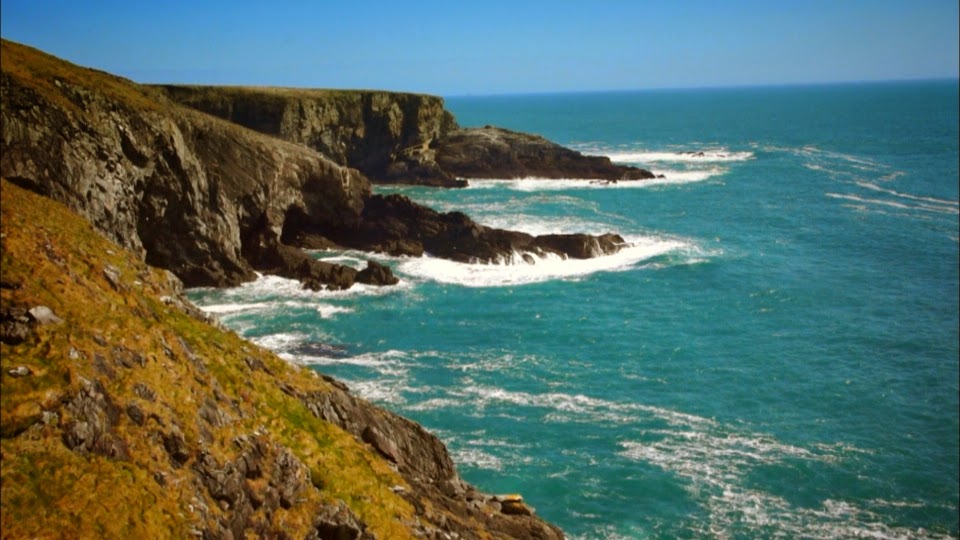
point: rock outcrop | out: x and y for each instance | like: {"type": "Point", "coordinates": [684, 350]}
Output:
{"type": "Point", "coordinates": [393, 224]}
{"type": "Point", "coordinates": [491, 152]}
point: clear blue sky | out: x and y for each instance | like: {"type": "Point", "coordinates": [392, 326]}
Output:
{"type": "Point", "coordinates": [492, 46]}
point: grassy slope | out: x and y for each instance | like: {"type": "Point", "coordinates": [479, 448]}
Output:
{"type": "Point", "coordinates": [49, 490]}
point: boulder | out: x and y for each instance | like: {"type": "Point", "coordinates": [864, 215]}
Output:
{"type": "Point", "coordinates": [43, 315]}
{"type": "Point", "coordinates": [513, 505]}
{"type": "Point", "coordinates": [377, 274]}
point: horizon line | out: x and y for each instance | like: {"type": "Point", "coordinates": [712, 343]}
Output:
{"type": "Point", "coordinates": [744, 86]}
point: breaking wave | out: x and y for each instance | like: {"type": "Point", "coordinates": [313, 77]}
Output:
{"type": "Point", "coordinates": [521, 269]}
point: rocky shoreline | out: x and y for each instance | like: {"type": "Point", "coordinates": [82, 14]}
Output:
{"type": "Point", "coordinates": [213, 202]}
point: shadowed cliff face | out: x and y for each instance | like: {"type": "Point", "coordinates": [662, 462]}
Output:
{"type": "Point", "coordinates": [388, 136]}
{"type": "Point", "coordinates": [186, 191]}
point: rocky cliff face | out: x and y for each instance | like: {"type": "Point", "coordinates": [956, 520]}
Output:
{"type": "Point", "coordinates": [213, 201]}
{"type": "Point", "coordinates": [124, 416]}
{"type": "Point", "coordinates": [189, 192]}
{"type": "Point", "coordinates": [397, 138]}
{"type": "Point", "coordinates": [388, 136]}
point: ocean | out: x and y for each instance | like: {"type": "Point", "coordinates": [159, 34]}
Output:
{"type": "Point", "coordinates": [774, 356]}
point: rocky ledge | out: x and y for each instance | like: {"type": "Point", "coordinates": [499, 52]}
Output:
{"type": "Point", "coordinates": [395, 225]}
{"type": "Point", "coordinates": [492, 152]}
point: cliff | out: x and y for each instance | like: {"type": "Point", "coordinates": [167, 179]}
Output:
{"type": "Point", "coordinates": [213, 201]}
{"type": "Point", "coordinates": [385, 135]}
{"type": "Point", "coordinates": [397, 138]}
{"type": "Point", "coordinates": [125, 416]}
{"type": "Point", "coordinates": [190, 193]}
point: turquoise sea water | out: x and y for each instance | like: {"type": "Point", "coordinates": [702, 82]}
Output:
{"type": "Point", "coordinates": [775, 356]}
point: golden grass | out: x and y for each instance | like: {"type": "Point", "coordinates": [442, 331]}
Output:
{"type": "Point", "coordinates": [48, 74]}
{"type": "Point", "coordinates": [50, 491]}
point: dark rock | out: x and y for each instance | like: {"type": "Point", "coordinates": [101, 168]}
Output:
{"type": "Point", "coordinates": [176, 447]}
{"type": "Point", "coordinates": [265, 252]}
{"type": "Point", "coordinates": [316, 348]}
{"type": "Point", "coordinates": [93, 416]}
{"type": "Point", "coordinates": [14, 326]}
{"type": "Point", "coordinates": [491, 152]}
{"type": "Point", "coordinates": [14, 332]}
{"type": "Point", "coordinates": [396, 225]}
{"type": "Point", "coordinates": [179, 187]}
{"type": "Point", "coordinates": [135, 414]}
{"type": "Point", "coordinates": [388, 136]}
{"type": "Point", "coordinates": [12, 285]}
{"type": "Point", "coordinates": [582, 246]}
{"type": "Point", "coordinates": [337, 522]}
{"type": "Point", "coordinates": [380, 443]}
{"type": "Point", "coordinates": [144, 391]}
{"type": "Point", "coordinates": [289, 477]}
{"type": "Point", "coordinates": [256, 364]}
{"type": "Point", "coordinates": [377, 274]}
{"type": "Point", "coordinates": [211, 414]}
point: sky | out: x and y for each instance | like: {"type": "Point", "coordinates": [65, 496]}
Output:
{"type": "Point", "coordinates": [496, 47]}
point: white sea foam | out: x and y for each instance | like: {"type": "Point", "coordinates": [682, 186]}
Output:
{"type": "Point", "coordinates": [381, 391]}
{"type": "Point", "coordinates": [716, 459]}
{"type": "Point", "coordinates": [577, 407]}
{"type": "Point", "coordinates": [327, 311]}
{"type": "Point", "coordinates": [932, 200]}
{"type": "Point", "coordinates": [222, 309]}
{"type": "Point", "coordinates": [942, 209]}
{"type": "Point", "coordinates": [391, 362]}
{"type": "Point", "coordinates": [475, 457]}
{"type": "Point", "coordinates": [685, 176]}
{"type": "Point", "coordinates": [717, 463]}
{"type": "Point", "coordinates": [280, 342]}
{"type": "Point", "coordinates": [565, 184]}
{"type": "Point", "coordinates": [516, 271]}
{"type": "Point", "coordinates": [268, 291]}
{"type": "Point", "coordinates": [687, 156]}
